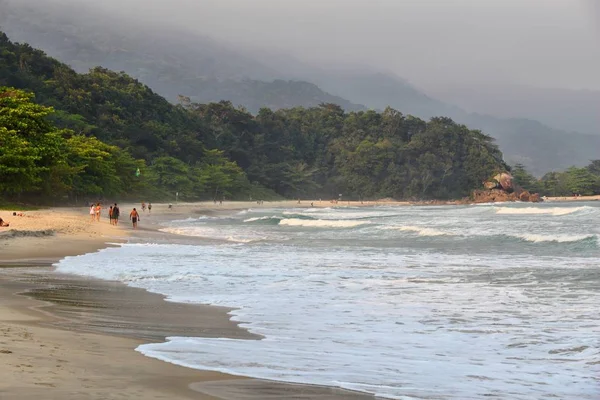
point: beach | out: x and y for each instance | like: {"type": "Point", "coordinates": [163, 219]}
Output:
{"type": "Point", "coordinates": [68, 337]}
{"type": "Point", "coordinates": [71, 336]}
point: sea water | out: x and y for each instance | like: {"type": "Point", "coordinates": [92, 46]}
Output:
{"type": "Point", "coordinates": [452, 302]}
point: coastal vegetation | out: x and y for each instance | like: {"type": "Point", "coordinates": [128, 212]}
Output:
{"type": "Point", "coordinates": [106, 134]}
{"type": "Point", "coordinates": [574, 181]}
{"type": "Point", "coordinates": [176, 60]}
{"type": "Point", "coordinates": [66, 135]}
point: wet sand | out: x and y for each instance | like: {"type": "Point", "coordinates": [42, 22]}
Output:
{"type": "Point", "coordinates": [68, 337]}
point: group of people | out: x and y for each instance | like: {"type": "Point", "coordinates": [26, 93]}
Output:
{"type": "Point", "coordinates": [114, 213]}
{"type": "Point", "coordinates": [144, 207]}
{"type": "Point", "coordinates": [4, 223]}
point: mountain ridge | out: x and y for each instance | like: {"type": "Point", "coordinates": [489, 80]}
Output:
{"type": "Point", "coordinates": [204, 70]}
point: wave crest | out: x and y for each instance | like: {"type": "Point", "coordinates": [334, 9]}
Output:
{"type": "Point", "coordinates": [554, 238]}
{"type": "Point", "coordinates": [209, 234]}
{"type": "Point", "coordinates": [556, 211]}
{"type": "Point", "coordinates": [419, 230]}
{"type": "Point", "coordinates": [322, 223]}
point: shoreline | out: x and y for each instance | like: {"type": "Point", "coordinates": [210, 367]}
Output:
{"type": "Point", "coordinates": [71, 337]}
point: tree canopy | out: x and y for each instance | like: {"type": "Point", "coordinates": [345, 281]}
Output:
{"type": "Point", "coordinates": [86, 135]}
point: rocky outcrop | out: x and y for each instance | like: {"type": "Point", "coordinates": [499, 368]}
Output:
{"type": "Point", "coordinates": [505, 182]}
{"type": "Point", "coordinates": [491, 196]}
{"type": "Point", "coordinates": [501, 188]}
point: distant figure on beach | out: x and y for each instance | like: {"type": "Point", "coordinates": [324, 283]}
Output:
{"type": "Point", "coordinates": [312, 204]}
{"type": "Point", "coordinates": [115, 214]}
{"type": "Point", "coordinates": [92, 212]}
{"type": "Point", "coordinates": [3, 223]}
{"type": "Point", "coordinates": [110, 211]}
{"type": "Point", "coordinates": [149, 208]}
{"type": "Point", "coordinates": [134, 217]}
{"type": "Point", "coordinates": [98, 211]}
{"type": "Point", "coordinates": [143, 206]}
{"type": "Point", "coordinates": [170, 206]}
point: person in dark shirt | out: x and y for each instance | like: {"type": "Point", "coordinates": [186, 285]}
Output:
{"type": "Point", "coordinates": [115, 214]}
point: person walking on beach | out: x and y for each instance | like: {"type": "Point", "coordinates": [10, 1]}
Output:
{"type": "Point", "coordinates": [149, 208]}
{"type": "Point", "coordinates": [92, 212]}
{"type": "Point", "coordinates": [143, 206]}
{"type": "Point", "coordinates": [110, 211]}
{"type": "Point", "coordinates": [98, 211]}
{"type": "Point", "coordinates": [134, 217]}
{"type": "Point", "coordinates": [115, 214]}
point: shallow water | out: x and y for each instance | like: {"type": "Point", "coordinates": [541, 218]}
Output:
{"type": "Point", "coordinates": [445, 302]}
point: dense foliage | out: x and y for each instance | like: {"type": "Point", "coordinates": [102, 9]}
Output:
{"type": "Point", "coordinates": [175, 60]}
{"type": "Point", "coordinates": [111, 126]}
{"type": "Point", "coordinates": [574, 181]}
{"type": "Point", "coordinates": [38, 158]}
{"type": "Point", "coordinates": [324, 151]}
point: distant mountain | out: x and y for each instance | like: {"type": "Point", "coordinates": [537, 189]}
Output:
{"type": "Point", "coordinates": [176, 63]}
{"type": "Point", "coordinates": [565, 109]}
{"type": "Point", "coordinates": [172, 62]}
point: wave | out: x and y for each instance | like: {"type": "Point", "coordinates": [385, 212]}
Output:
{"type": "Point", "coordinates": [556, 211]}
{"type": "Point", "coordinates": [322, 223]}
{"type": "Point", "coordinates": [214, 235]}
{"type": "Point", "coordinates": [256, 219]}
{"type": "Point", "coordinates": [307, 210]}
{"type": "Point", "coordinates": [421, 231]}
{"type": "Point", "coordinates": [555, 238]}
{"type": "Point", "coordinates": [274, 220]}
{"type": "Point", "coordinates": [192, 219]}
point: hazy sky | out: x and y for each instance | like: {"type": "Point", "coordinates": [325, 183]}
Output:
{"type": "Point", "coordinates": [534, 42]}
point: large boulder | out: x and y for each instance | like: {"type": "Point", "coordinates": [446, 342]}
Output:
{"type": "Point", "coordinates": [525, 196]}
{"type": "Point", "coordinates": [506, 181]}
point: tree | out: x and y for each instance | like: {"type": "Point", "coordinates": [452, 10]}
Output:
{"type": "Point", "coordinates": [29, 145]}
{"type": "Point", "coordinates": [525, 179]}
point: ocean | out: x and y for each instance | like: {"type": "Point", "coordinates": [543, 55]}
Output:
{"type": "Point", "coordinates": [417, 302]}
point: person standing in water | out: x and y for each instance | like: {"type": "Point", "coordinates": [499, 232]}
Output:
{"type": "Point", "coordinates": [134, 217]}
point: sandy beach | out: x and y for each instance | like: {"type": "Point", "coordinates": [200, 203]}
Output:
{"type": "Point", "coordinates": [67, 337]}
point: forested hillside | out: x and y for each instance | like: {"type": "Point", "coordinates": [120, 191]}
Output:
{"type": "Point", "coordinates": [214, 150]}
{"type": "Point", "coordinates": [174, 62]}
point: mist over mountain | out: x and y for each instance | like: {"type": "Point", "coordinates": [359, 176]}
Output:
{"type": "Point", "coordinates": [565, 109]}
{"type": "Point", "coordinates": [177, 60]}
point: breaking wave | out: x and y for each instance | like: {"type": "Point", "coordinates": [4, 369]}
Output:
{"type": "Point", "coordinates": [556, 211]}
{"type": "Point", "coordinates": [210, 234]}
{"type": "Point", "coordinates": [419, 230]}
{"type": "Point", "coordinates": [322, 223]}
{"type": "Point", "coordinates": [535, 238]}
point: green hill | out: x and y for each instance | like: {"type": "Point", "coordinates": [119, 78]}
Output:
{"type": "Point", "coordinates": [203, 151]}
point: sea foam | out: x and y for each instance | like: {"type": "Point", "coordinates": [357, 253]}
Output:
{"type": "Point", "coordinates": [323, 223]}
{"type": "Point", "coordinates": [419, 230]}
{"type": "Point", "coordinates": [536, 238]}
{"type": "Point", "coordinates": [556, 211]}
